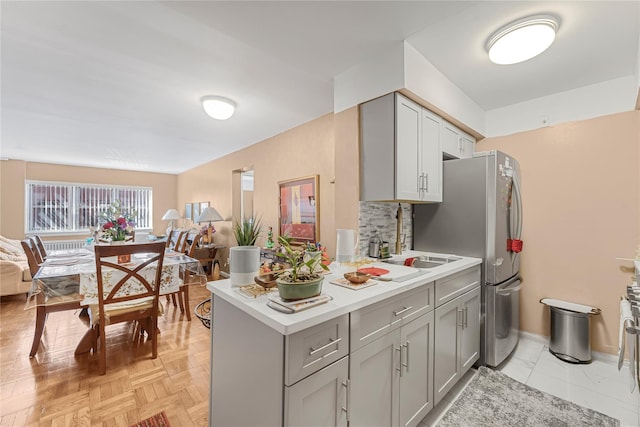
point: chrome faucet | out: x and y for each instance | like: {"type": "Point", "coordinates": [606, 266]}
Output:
{"type": "Point", "coordinates": [399, 230]}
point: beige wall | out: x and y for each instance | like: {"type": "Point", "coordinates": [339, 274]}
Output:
{"type": "Point", "coordinates": [14, 173]}
{"type": "Point", "coordinates": [299, 152]}
{"type": "Point", "coordinates": [581, 198]}
{"type": "Point", "coordinates": [347, 160]}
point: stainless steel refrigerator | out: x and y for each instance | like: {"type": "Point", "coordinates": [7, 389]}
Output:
{"type": "Point", "coordinates": [481, 216]}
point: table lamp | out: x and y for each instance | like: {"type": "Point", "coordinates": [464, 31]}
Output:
{"type": "Point", "coordinates": [171, 215]}
{"type": "Point", "coordinates": [209, 214]}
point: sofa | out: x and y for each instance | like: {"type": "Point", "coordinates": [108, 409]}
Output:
{"type": "Point", "coordinates": [15, 277]}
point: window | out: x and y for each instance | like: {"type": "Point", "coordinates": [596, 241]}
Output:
{"type": "Point", "coordinates": [57, 207]}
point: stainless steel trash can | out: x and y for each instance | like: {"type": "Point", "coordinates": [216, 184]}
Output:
{"type": "Point", "coordinates": [570, 330]}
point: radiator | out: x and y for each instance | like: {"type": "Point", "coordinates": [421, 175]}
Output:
{"type": "Point", "coordinates": [56, 245]}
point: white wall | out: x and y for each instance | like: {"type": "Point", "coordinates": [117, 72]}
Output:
{"type": "Point", "coordinates": [403, 67]}
{"type": "Point", "coordinates": [426, 81]}
{"type": "Point", "coordinates": [382, 73]}
{"type": "Point", "coordinates": [601, 99]}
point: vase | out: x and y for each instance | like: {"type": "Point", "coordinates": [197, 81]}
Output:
{"type": "Point", "coordinates": [299, 290]}
{"type": "Point", "coordinates": [244, 264]}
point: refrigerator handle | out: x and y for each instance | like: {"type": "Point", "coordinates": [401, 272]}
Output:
{"type": "Point", "coordinates": [518, 206]}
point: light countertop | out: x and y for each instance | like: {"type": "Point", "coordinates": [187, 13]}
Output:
{"type": "Point", "coordinates": [344, 299]}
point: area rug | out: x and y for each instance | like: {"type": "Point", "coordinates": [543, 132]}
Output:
{"type": "Point", "coordinates": [494, 399]}
{"type": "Point", "coordinates": [158, 420]}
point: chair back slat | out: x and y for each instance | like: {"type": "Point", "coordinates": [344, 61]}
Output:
{"type": "Point", "coordinates": [40, 246]}
{"type": "Point", "coordinates": [32, 259]}
{"type": "Point", "coordinates": [194, 244]}
{"type": "Point", "coordinates": [180, 242]}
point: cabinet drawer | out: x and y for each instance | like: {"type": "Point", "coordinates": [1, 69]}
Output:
{"type": "Point", "coordinates": [316, 347]}
{"type": "Point", "coordinates": [370, 323]}
{"type": "Point", "coordinates": [457, 284]}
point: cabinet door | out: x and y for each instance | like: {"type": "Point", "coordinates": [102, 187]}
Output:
{"type": "Point", "coordinates": [375, 375]}
{"type": "Point", "coordinates": [470, 333]}
{"type": "Point", "coordinates": [446, 370]}
{"type": "Point", "coordinates": [320, 399]}
{"type": "Point", "coordinates": [467, 145]}
{"type": "Point", "coordinates": [450, 141]}
{"type": "Point", "coordinates": [416, 379]}
{"type": "Point", "coordinates": [408, 123]}
{"type": "Point", "coordinates": [431, 158]}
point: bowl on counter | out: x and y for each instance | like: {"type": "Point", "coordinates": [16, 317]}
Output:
{"type": "Point", "coordinates": [266, 280]}
{"type": "Point", "coordinates": [357, 277]}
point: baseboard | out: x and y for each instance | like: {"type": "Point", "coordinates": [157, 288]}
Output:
{"type": "Point", "coordinates": [595, 355]}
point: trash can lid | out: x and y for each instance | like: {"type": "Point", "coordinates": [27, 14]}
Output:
{"type": "Point", "coordinates": [571, 306]}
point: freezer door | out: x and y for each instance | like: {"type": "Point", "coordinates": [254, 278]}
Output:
{"type": "Point", "coordinates": [502, 320]}
{"type": "Point", "coordinates": [504, 217]}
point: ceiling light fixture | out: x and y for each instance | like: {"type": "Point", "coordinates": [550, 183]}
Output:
{"type": "Point", "coordinates": [218, 107]}
{"type": "Point", "coordinates": [522, 39]}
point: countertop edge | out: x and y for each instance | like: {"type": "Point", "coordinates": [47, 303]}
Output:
{"type": "Point", "coordinates": [344, 300]}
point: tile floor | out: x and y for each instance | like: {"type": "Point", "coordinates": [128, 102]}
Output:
{"type": "Point", "coordinates": [599, 385]}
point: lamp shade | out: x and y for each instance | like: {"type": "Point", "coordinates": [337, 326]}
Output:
{"type": "Point", "coordinates": [209, 214]}
{"type": "Point", "coordinates": [171, 214]}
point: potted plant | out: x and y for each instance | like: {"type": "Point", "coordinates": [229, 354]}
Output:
{"type": "Point", "coordinates": [244, 259]}
{"type": "Point", "coordinates": [303, 279]}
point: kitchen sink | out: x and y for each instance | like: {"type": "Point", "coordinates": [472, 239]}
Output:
{"type": "Point", "coordinates": [427, 261]}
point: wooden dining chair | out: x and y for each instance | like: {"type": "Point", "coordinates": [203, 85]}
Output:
{"type": "Point", "coordinates": [40, 246]}
{"type": "Point", "coordinates": [169, 237]}
{"type": "Point", "coordinates": [43, 307]}
{"type": "Point", "coordinates": [33, 256]}
{"type": "Point", "coordinates": [181, 242]}
{"type": "Point", "coordinates": [183, 294]}
{"type": "Point", "coordinates": [141, 302]}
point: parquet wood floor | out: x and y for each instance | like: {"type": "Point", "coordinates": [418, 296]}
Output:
{"type": "Point", "coordinates": [57, 388]}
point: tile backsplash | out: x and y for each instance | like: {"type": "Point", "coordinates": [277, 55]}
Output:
{"type": "Point", "coordinates": [380, 218]}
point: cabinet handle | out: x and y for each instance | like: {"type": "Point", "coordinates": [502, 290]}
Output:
{"type": "Point", "coordinates": [347, 385]}
{"type": "Point", "coordinates": [466, 317]}
{"type": "Point", "coordinates": [461, 318]}
{"type": "Point", "coordinates": [404, 309]}
{"type": "Point", "coordinates": [406, 365]}
{"type": "Point", "coordinates": [399, 368]}
{"type": "Point", "coordinates": [426, 182]}
{"type": "Point", "coordinates": [331, 342]}
{"type": "Point", "coordinates": [460, 145]}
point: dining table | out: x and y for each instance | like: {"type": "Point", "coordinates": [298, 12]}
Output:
{"type": "Point", "coordinates": [67, 280]}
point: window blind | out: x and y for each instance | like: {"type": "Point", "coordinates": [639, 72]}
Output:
{"type": "Point", "coordinates": [54, 207]}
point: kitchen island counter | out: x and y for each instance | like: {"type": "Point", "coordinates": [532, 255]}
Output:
{"type": "Point", "coordinates": [344, 300]}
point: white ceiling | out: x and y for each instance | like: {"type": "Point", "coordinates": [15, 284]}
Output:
{"type": "Point", "coordinates": [117, 84]}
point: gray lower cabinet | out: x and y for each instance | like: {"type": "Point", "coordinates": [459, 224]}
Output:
{"type": "Point", "coordinates": [457, 340]}
{"type": "Point", "coordinates": [391, 377]}
{"type": "Point", "coordinates": [320, 399]}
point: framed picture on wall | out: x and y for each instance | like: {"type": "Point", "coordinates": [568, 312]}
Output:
{"type": "Point", "coordinates": [196, 211]}
{"type": "Point", "coordinates": [299, 209]}
{"type": "Point", "coordinates": [187, 211]}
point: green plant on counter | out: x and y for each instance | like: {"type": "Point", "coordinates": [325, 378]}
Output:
{"type": "Point", "coordinates": [247, 230]}
{"type": "Point", "coordinates": [301, 270]}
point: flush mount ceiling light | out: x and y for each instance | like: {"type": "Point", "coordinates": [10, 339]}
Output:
{"type": "Point", "coordinates": [218, 107]}
{"type": "Point", "coordinates": [522, 40]}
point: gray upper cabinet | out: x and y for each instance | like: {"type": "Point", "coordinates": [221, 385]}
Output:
{"type": "Point", "coordinates": [400, 152]}
{"type": "Point", "coordinates": [456, 144]}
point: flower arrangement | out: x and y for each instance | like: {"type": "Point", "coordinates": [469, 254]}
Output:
{"type": "Point", "coordinates": [204, 230]}
{"type": "Point", "coordinates": [118, 223]}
